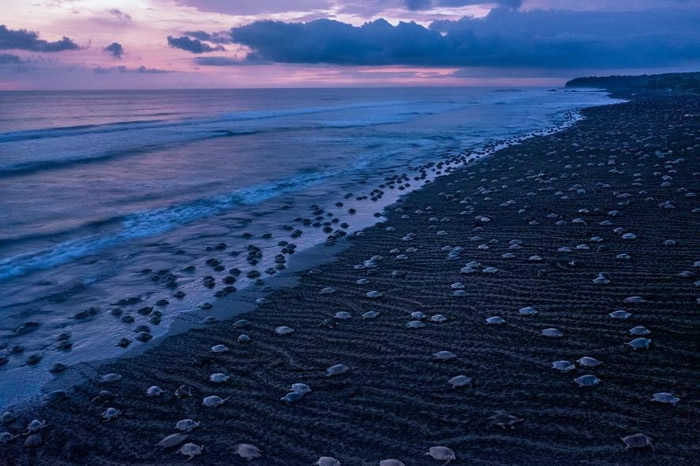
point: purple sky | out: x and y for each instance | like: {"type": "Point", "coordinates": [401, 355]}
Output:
{"type": "Point", "coordinates": [119, 44]}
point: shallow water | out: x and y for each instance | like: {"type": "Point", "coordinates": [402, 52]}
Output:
{"type": "Point", "coordinates": [102, 194]}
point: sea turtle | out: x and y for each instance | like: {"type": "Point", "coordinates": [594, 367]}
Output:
{"type": "Point", "coordinates": [444, 355]}
{"type": "Point", "coordinates": [640, 343]}
{"type": "Point", "coordinates": [415, 324]}
{"type": "Point", "coordinates": [190, 450]}
{"type": "Point", "coordinates": [588, 361]}
{"type": "Point", "coordinates": [248, 451]}
{"type": "Point", "coordinates": [337, 369]}
{"type": "Point", "coordinates": [183, 391]}
{"type": "Point", "coordinates": [56, 395]}
{"type": "Point", "coordinates": [369, 315]}
{"type": "Point", "coordinates": [328, 323]}
{"type": "Point", "coordinates": [6, 437]}
{"type": "Point", "coordinates": [527, 311]}
{"type": "Point", "coordinates": [110, 378]}
{"type": "Point", "coordinates": [460, 381]}
{"type": "Point", "coordinates": [110, 414]}
{"type": "Point", "coordinates": [242, 323]}
{"type": "Point", "coordinates": [587, 380]}
{"type": "Point", "coordinates": [552, 333]}
{"type": "Point", "coordinates": [666, 398]}
{"type": "Point", "coordinates": [639, 331]}
{"type": "Point", "coordinates": [218, 377]}
{"type": "Point", "coordinates": [441, 453]}
{"type": "Point", "coordinates": [186, 425]}
{"type": "Point", "coordinates": [153, 391]}
{"type": "Point", "coordinates": [637, 441]}
{"type": "Point", "coordinates": [284, 330]}
{"type": "Point", "coordinates": [495, 320]}
{"type": "Point", "coordinates": [620, 314]}
{"type": "Point", "coordinates": [342, 315]}
{"type": "Point", "coordinates": [438, 318]}
{"type": "Point", "coordinates": [103, 396]}
{"type": "Point", "coordinates": [391, 462]}
{"type": "Point", "coordinates": [212, 401]}
{"type": "Point", "coordinates": [505, 420]}
{"type": "Point", "coordinates": [327, 461]}
{"type": "Point", "coordinates": [219, 348]}
{"type": "Point", "coordinates": [300, 388]}
{"type": "Point", "coordinates": [563, 366]}
{"type": "Point", "coordinates": [35, 426]}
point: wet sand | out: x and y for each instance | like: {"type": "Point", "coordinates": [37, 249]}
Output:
{"type": "Point", "coordinates": [601, 188]}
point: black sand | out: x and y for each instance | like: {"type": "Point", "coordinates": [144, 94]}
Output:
{"type": "Point", "coordinates": [396, 402]}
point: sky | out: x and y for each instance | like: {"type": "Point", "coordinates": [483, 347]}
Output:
{"type": "Point", "coordinates": [151, 44]}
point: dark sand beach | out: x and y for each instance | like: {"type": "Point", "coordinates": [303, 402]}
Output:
{"type": "Point", "coordinates": [617, 191]}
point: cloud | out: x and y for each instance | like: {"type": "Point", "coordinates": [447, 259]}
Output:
{"type": "Point", "coordinates": [418, 4]}
{"type": "Point", "coordinates": [428, 4]}
{"type": "Point", "coordinates": [192, 45]}
{"type": "Point", "coordinates": [217, 61]}
{"type": "Point", "coordinates": [607, 5]}
{"type": "Point", "coordinates": [7, 59]}
{"type": "Point", "coordinates": [253, 7]}
{"type": "Point", "coordinates": [123, 69]}
{"type": "Point", "coordinates": [251, 59]}
{"type": "Point", "coordinates": [504, 38]}
{"type": "Point", "coordinates": [21, 39]}
{"type": "Point", "coordinates": [143, 69]}
{"type": "Point", "coordinates": [119, 15]}
{"type": "Point", "coordinates": [115, 49]}
{"type": "Point", "coordinates": [13, 64]}
{"type": "Point", "coordinates": [217, 37]}
{"type": "Point", "coordinates": [333, 42]}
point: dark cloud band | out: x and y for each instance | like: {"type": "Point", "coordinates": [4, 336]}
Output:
{"type": "Point", "coordinates": [21, 39]}
{"type": "Point", "coordinates": [192, 45]}
{"type": "Point", "coordinates": [8, 59]}
{"type": "Point", "coordinates": [504, 38]}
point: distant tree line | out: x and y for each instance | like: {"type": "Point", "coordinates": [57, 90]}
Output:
{"type": "Point", "coordinates": [685, 82]}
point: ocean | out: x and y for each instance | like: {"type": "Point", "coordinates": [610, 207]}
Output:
{"type": "Point", "coordinates": [110, 201]}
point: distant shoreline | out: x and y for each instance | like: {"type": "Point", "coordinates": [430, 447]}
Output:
{"type": "Point", "coordinates": [669, 82]}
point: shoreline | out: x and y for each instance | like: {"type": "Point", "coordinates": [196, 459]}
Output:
{"type": "Point", "coordinates": [178, 320]}
{"type": "Point", "coordinates": [395, 400]}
